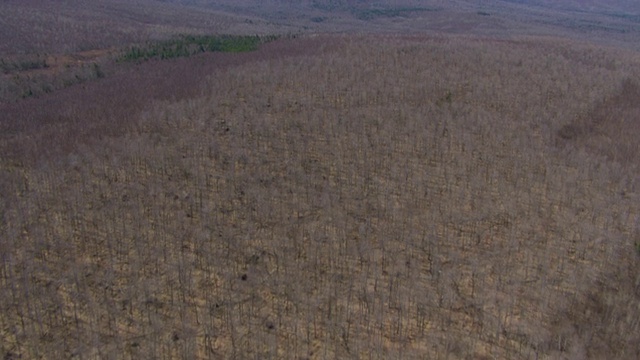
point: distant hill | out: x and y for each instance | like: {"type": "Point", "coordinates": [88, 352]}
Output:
{"type": "Point", "coordinates": [621, 6]}
{"type": "Point", "coordinates": [615, 6]}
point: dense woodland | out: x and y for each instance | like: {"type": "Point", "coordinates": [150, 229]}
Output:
{"type": "Point", "coordinates": [373, 196]}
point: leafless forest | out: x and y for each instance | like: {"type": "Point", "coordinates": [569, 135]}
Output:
{"type": "Point", "coordinates": [329, 196]}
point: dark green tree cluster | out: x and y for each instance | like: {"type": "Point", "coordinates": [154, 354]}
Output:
{"type": "Point", "coordinates": [20, 86]}
{"type": "Point", "coordinates": [30, 63]}
{"type": "Point", "coordinates": [370, 14]}
{"type": "Point", "coordinates": [188, 45]}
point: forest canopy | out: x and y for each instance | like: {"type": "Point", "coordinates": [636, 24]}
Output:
{"type": "Point", "coordinates": [280, 180]}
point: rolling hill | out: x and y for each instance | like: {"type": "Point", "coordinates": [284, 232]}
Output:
{"type": "Point", "coordinates": [388, 180]}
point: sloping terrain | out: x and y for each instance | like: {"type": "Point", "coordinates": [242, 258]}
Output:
{"type": "Point", "coordinates": [629, 7]}
{"type": "Point", "coordinates": [44, 35]}
{"type": "Point", "coordinates": [458, 181]}
{"type": "Point", "coordinates": [390, 197]}
{"type": "Point", "coordinates": [40, 26]}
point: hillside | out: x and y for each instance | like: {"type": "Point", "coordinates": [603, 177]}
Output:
{"type": "Point", "coordinates": [55, 45]}
{"type": "Point", "coordinates": [41, 26]}
{"type": "Point", "coordinates": [344, 180]}
{"type": "Point", "coordinates": [628, 7]}
{"type": "Point", "coordinates": [314, 206]}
